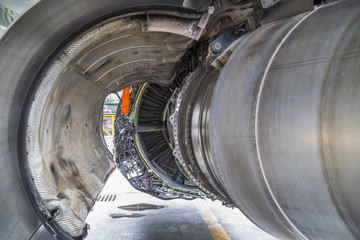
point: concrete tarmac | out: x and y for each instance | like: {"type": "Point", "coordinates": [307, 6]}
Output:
{"type": "Point", "coordinates": [170, 220]}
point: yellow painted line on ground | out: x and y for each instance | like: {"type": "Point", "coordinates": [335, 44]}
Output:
{"type": "Point", "coordinates": [216, 230]}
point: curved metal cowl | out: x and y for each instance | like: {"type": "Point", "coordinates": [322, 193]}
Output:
{"type": "Point", "coordinates": [284, 125]}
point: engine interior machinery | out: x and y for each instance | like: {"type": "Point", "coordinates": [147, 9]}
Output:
{"type": "Point", "coordinates": [252, 103]}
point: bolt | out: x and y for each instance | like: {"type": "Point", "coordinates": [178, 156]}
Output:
{"type": "Point", "coordinates": [217, 46]}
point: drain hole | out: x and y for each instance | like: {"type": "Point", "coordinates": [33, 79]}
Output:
{"type": "Point", "coordinates": [141, 207]}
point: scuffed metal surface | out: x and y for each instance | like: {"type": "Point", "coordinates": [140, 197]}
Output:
{"type": "Point", "coordinates": [268, 3]}
{"type": "Point", "coordinates": [186, 27]}
{"type": "Point", "coordinates": [285, 9]}
{"type": "Point", "coordinates": [68, 160]}
{"type": "Point", "coordinates": [288, 160]}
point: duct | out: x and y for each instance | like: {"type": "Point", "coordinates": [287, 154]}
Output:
{"type": "Point", "coordinates": [284, 9]}
{"type": "Point", "coordinates": [200, 6]}
{"type": "Point", "coordinates": [65, 112]}
{"type": "Point", "coordinates": [284, 125]}
{"type": "Point", "coordinates": [185, 27]}
{"type": "Point", "coordinates": [268, 3]}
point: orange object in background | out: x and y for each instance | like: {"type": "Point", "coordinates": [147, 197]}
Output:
{"type": "Point", "coordinates": [125, 102]}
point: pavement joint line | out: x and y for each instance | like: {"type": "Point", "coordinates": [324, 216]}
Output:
{"type": "Point", "coordinates": [213, 225]}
